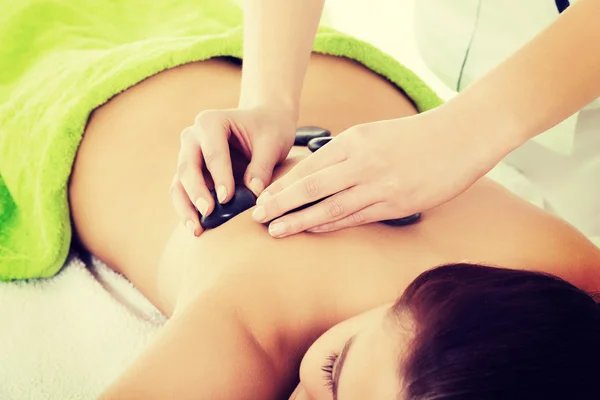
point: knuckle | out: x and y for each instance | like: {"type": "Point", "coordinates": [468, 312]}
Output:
{"type": "Point", "coordinates": [264, 168]}
{"type": "Point", "coordinates": [391, 186]}
{"type": "Point", "coordinates": [334, 209]}
{"type": "Point", "coordinates": [261, 169]}
{"type": "Point", "coordinates": [330, 226]}
{"type": "Point", "coordinates": [312, 187]}
{"type": "Point", "coordinates": [297, 224]}
{"type": "Point", "coordinates": [182, 169]}
{"type": "Point", "coordinates": [206, 117]}
{"type": "Point", "coordinates": [356, 218]}
{"type": "Point", "coordinates": [307, 169]}
{"type": "Point", "coordinates": [187, 134]}
{"type": "Point", "coordinates": [275, 204]}
{"type": "Point", "coordinates": [173, 190]}
{"type": "Point", "coordinates": [359, 134]}
{"type": "Point", "coordinates": [187, 177]}
{"type": "Point", "coordinates": [212, 157]}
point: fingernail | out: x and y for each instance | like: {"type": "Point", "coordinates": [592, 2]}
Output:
{"type": "Point", "coordinates": [256, 186]}
{"type": "Point", "coordinates": [278, 228]}
{"type": "Point", "coordinates": [221, 193]}
{"type": "Point", "coordinates": [202, 206]}
{"type": "Point", "coordinates": [263, 198]}
{"type": "Point", "coordinates": [318, 229]}
{"type": "Point", "coordinates": [259, 214]}
{"type": "Point", "coordinates": [191, 226]}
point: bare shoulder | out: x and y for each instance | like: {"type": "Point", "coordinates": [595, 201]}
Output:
{"type": "Point", "coordinates": [521, 235]}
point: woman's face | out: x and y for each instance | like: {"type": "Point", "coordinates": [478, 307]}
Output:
{"type": "Point", "coordinates": [356, 359]}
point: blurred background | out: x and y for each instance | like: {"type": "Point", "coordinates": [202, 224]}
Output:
{"type": "Point", "coordinates": [388, 24]}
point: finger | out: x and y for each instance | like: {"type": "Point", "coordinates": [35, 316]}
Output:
{"type": "Point", "coordinates": [369, 214]}
{"type": "Point", "coordinates": [260, 170]}
{"type": "Point", "coordinates": [190, 175]}
{"type": "Point", "coordinates": [189, 172]}
{"type": "Point", "coordinates": [327, 156]}
{"type": "Point", "coordinates": [339, 206]}
{"type": "Point", "coordinates": [184, 207]}
{"type": "Point", "coordinates": [213, 136]}
{"type": "Point", "coordinates": [307, 190]}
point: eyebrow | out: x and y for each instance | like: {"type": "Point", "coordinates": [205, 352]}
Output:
{"type": "Point", "coordinates": [340, 365]}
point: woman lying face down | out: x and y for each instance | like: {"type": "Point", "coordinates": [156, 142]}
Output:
{"type": "Point", "coordinates": [245, 308]}
{"type": "Point", "coordinates": [463, 332]}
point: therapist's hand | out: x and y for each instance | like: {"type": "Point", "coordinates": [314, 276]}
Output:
{"type": "Point", "coordinates": [264, 134]}
{"type": "Point", "coordinates": [377, 171]}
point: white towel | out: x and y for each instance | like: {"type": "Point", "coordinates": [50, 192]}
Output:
{"type": "Point", "coordinates": [68, 337]}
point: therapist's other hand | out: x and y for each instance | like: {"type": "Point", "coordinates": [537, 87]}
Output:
{"type": "Point", "coordinates": [372, 172]}
{"type": "Point", "coordinates": [264, 135]}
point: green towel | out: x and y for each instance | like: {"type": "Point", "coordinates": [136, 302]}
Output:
{"type": "Point", "coordinates": [60, 59]}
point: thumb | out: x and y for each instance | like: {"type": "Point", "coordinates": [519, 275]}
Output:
{"type": "Point", "coordinates": [260, 170]}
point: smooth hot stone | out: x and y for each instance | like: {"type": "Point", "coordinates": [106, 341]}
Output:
{"type": "Point", "coordinates": [242, 199]}
{"type": "Point", "coordinates": [302, 207]}
{"type": "Point", "coordinates": [316, 143]}
{"type": "Point", "coordinates": [411, 219]}
{"type": "Point", "coordinates": [305, 133]}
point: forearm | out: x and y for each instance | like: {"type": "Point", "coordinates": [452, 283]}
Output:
{"type": "Point", "coordinates": [278, 38]}
{"type": "Point", "coordinates": [542, 84]}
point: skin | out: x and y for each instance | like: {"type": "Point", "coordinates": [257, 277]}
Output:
{"type": "Point", "coordinates": [542, 84]}
{"type": "Point", "coordinates": [264, 121]}
{"type": "Point", "coordinates": [245, 308]}
{"type": "Point", "coordinates": [368, 348]}
{"type": "Point", "coordinates": [276, 66]}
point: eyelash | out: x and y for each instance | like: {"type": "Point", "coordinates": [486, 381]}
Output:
{"type": "Point", "coordinates": [328, 370]}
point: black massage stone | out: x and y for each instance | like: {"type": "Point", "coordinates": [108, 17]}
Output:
{"type": "Point", "coordinates": [316, 143]}
{"type": "Point", "coordinates": [302, 207]}
{"type": "Point", "coordinates": [242, 199]}
{"type": "Point", "coordinates": [305, 133]}
{"type": "Point", "coordinates": [411, 219]}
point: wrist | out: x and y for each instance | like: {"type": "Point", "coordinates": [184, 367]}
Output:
{"type": "Point", "coordinates": [258, 96]}
{"type": "Point", "coordinates": [280, 104]}
{"type": "Point", "coordinates": [274, 92]}
{"type": "Point", "coordinates": [492, 129]}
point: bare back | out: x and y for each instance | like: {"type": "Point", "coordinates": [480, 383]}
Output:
{"type": "Point", "coordinates": [122, 211]}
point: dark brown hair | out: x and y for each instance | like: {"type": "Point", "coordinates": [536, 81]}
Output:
{"type": "Point", "coordinates": [483, 333]}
